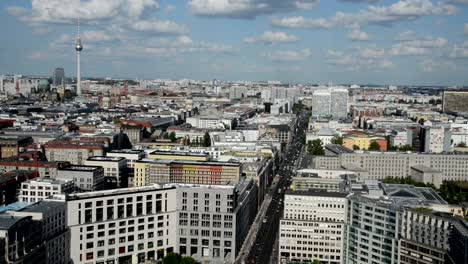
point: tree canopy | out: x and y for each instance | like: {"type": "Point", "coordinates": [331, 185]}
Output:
{"type": "Point", "coordinates": [374, 146]}
{"type": "Point", "coordinates": [315, 147]}
{"type": "Point", "coordinates": [174, 258]}
{"type": "Point", "coordinates": [337, 140]}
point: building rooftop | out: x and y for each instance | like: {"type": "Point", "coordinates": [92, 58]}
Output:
{"type": "Point", "coordinates": [316, 192]}
{"type": "Point", "coordinates": [43, 206]}
{"type": "Point", "coordinates": [105, 158]}
{"type": "Point", "coordinates": [49, 181]}
{"type": "Point", "coordinates": [7, 221]}
{"type": "Point", "coordinates": [81, 168]}
{"type": "Point", "coordinates": [337, 149]}
{"type": "Point", "coordinates": [424, 169]}
{"type": "Point", "coordinates": [14, 206]}
{"type": "Point", "coordinates": [127, 151]}
{"type": "Point", "coordinates": [179, 153]}
{"type": "Point", "coordinates": [114, 192]}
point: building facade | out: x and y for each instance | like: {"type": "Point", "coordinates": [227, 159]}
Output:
{"type": "Point", "coordinates": [86, 178]}
{"type": "Point", "coordinates": [312, 227]}
{"type": "Point", "coordinates": [380, 165]}
{"type": "Point", "coordinates": [38, 189]}
{"type": "Point", "coordinates": [115, 168]}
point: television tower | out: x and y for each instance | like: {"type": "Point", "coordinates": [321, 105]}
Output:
{"type": "Point", "coordinates": [78, 48]}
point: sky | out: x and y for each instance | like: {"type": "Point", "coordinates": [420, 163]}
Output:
{"type": "Point", "coordinates": [412, 42]}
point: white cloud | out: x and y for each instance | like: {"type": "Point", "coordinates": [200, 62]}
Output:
{"type": "Point", "coordinates": [97, 36]}
{"type": "Point", "coordinates": [462, 2]}
{"type": "Point", "coordinates": [247, 9]}
{"type": "Point", "coordinates": [38, 55]}
{"type": "Point", "coordinates": [300, 22]}
{"type": "Point", "coordinates": [355, 63]}
{"type": "Point", "coordinates": [429, 65]}
{"type": "Point", "coordinates": [413, 45]}
{"type": "Point", "coordinates": [270, 37]}
{"type": "Point", "coordinates": [459, 51]}
{"type": "Point", "coordinates": [59, 11]}
{"type": "Point", "coordinates": [159, 26]}
{"type": "Point", "coordinates": [288, 55]}
{"type": "Point", "coordinates": [169, 9]}
{"type": "Point", "coordinates": [399, 11]}
{"type": "Point", "coordinates": [406, 36]}
{"type": "Point", "coordinates": [371, 52]}
{"type": "Point", "coordinates": [404, 50]}
{"type": "Point", "coordinates": [361, 1]}
{"type": "Point", "coordinates": [358, 35]}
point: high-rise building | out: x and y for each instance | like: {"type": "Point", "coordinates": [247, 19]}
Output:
{"type": "Point", "coordinates": [58, 77]}
{"type": "Point", "coordinates": [321, 102]}
{"type": "Point", "coordinates": [424, 236]}
{"type": "Point", "coordinates": [455, 101]}
{"type": "Point", "coordinates": [436, 139]}
{"type": "Point", "coordinates": [34, 233]}
{"type": "Point", "coordinates": [330, 102]}
{"type": "Point", "coordinates": [312, 227]}
{"type": "Point", "coordinates": [375, 226]}
{"type": "Point", "coordinates": [339, 102]}
{"type": "Point", "coordinates": [133, 225]}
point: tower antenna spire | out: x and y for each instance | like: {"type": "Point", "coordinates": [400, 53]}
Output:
{"type": "Point", "coordinates": [78, 48]}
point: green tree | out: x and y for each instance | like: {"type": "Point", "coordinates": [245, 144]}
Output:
{"type": "Point", "coordinates": [197, 142]}
{"type": "Point", "coordinates": [451, 192]}
{"type": "Point", "coordinates": [206, 139]}
{"type": "Point", "coordinates": [337, 140]}
{"type": "Point", "coordinates": [315, 147]}
{"type": "Point", "coordinates": [316, 262]}
{"type": "Point", "coordinates": [166, 136]}
{"type": "Point", "coordinates": [374, 146]}
{"type": "Point", "coordinates": [297, 107]}
{"type": "Point", "coordinates": [187, 260]}
{"type": "Point", "coordinates": [171, 258]}
{"type": "Point", "coordinates": [356, 147]}
{"type": "Point", "coordinates": [461, 145]}
{"type": "Point", "coordinates": [405, 148]}
{"type": "Point", "coordinates": [172, 136]}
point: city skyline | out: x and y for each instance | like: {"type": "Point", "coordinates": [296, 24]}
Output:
{"type": "Point", "coordinates": [418, 42]}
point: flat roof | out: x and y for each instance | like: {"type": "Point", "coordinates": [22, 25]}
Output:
{"type": "Point", "coordinates": [80, 168]}
{"type": "Point", "coordinates": [105, 158]}
{"type": "Point", "coordinates": [7, 221]}
{"type": "Point", "coordinates": [423, 168]}
{"type": "Point", "coordinates": [43, 206]}
{"type": "Point", "coordinates": [126, 151]}
{"type": "Point", "coordinates": [317, 192]}
{"type": "Point", "coordinates": [49, 180]}
{"type": "Point", "coordinates": [114, 192]}
{"type": "Point", "coordinates": [179, 153]}
{"type": "Point", "coordinates": [14, 206]}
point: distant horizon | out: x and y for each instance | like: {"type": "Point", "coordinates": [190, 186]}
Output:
{"type": "Point", "coordinates": [84, 78]}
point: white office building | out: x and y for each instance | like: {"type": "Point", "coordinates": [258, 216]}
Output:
{"type": "Point", "coordinates": [437, 139]}
{"type": "Point", "coordinates": [330, 102]}
{"type": "Point", "coordinates": [134, 225]}
{"type": "Point", "coordinates": [321, 103]}
{"type": "Point", "coordinates": [130, 155]}
{"type": "Point", "coordinates": [38, 189]}
{"type": "Point", "coordinates": [114, 167]}
{"type": "Point", "coordinates": [312, 227]}
{"type": "Point", "coordinates": [128, 225]}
